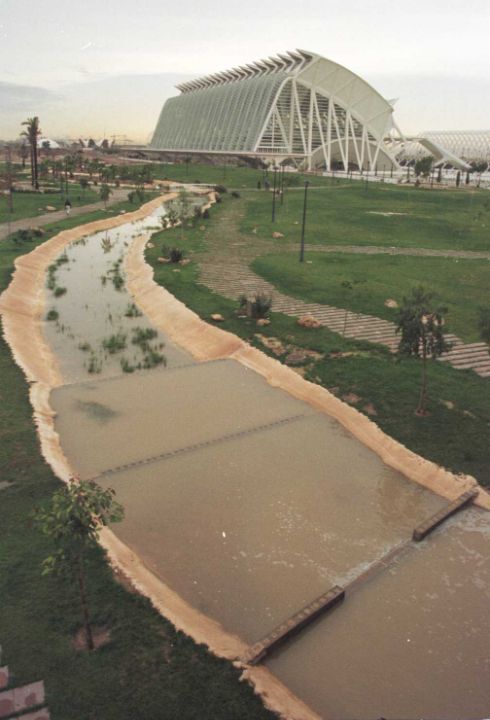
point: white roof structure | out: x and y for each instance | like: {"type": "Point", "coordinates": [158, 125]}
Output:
{"type": "Point", "coordinates": [52, 143]}
{"type": "Point", "coordinates": [295, 105]}
{"type": "Point", "coordinates": [454, 147]}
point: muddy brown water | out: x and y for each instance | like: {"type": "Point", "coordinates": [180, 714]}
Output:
{"type": "Point", "coordinates": [249, 504]}
{"type": "Point", "coordinates": [93, 309]}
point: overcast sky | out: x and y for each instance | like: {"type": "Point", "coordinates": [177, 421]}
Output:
{"type": "Point", "coordinates": [107, 65]}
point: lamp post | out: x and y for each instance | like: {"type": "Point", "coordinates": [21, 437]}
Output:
{"type": "Point", "coordinates": [282, 184]}
{"type": "Point", "coordinates": [303, 225]}
{"type": "Point", "coordinates": [66, 175]}
{"type": "Point", "coordinates": [274, 195]}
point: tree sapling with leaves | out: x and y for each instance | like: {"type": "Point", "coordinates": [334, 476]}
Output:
{"type": "Point", "coordinates": [420, 324]}
{"type": "Point", "coordinates": [73, 520]}
{"type": "Point", "coordinates": [105, 192]}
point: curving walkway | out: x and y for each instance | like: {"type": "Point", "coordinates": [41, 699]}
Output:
{"type": "Point", "coordinates": [225, 269]}
{"type": "Point", "coordinates": [118, 194]}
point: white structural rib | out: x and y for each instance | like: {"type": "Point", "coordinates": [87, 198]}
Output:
{"type": "Point", "coordinates": [295, 104]}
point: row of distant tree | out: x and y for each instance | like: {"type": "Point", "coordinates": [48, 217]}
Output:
{"type": "Point", "coordinates": [74, 161]}
{"type": "Point", "coordinates": [424, 166]}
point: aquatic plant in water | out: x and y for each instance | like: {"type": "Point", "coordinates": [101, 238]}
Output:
{"type": "Point", "coordinates": [94, 365]}
{"type": "Point", "coordinates": [142, 336]}
{"type": "Point", "coordinates": [126, 366]}
{"type": "Point", "coordinates": [115, 343]}
{"type": "Point", "coordinates": [133, 311]}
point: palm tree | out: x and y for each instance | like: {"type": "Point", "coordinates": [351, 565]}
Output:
{"type": "Point", "coordinates": [32, 133]}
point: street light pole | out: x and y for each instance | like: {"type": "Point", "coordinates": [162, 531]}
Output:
{"type": "Point", "coordinates": [274, 195]}
{"type": "Point", "coordinates": [302, 250]}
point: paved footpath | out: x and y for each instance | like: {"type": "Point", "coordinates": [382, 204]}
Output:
{"type": "Point", "coordinates": [225, 269]}
{"type": "Point", "coordinates": [118, 195]}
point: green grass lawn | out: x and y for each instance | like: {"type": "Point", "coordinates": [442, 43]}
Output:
{"type": "Point", "coordinates": [342, 213]}
{"type": "Point", "coordinates": [236, 178]}
{"type": "Point", "coordinates": [32, 204]}
{"type": "Point", "coordinates": [461, 285]}
{"type": "Point", "coordinates": [148, 670]}
{"type": "Point", "coordinates": [455, 434]}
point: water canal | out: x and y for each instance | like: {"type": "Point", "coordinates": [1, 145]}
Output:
{"type": "Point", "coordinates": [249, 503]}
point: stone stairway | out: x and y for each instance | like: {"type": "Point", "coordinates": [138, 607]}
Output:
{"type": "Point", "coordinates": [232, 277]}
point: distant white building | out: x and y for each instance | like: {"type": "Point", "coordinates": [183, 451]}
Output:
{"type": "Point", "coordinates": [41, 143]}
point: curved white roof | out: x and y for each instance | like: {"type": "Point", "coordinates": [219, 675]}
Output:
{"type": "Point", "coordinates": [291, 104]}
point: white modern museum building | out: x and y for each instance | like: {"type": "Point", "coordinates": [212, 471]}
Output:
{"type": "Point", "coordinates": [297, 107]}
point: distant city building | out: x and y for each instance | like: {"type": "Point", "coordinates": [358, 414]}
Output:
{"type": "Point", "coordinates": [297, 106]}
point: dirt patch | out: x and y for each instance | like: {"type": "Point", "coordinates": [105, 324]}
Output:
{"type": "Point", "coordinates": [271, 343]}
{"type": "Point", "coordinates": [351, 398]}
{"type": "Point", "coordinates": [369, 409]}
{"type": "Point", "coordinates": [101, 635]}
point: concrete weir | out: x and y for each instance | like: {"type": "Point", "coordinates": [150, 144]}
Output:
{"type": "Point", "coordinates": [298, 621]}
{"type": "Point", "coordinates": [248, 491]}
{"type": "Point", "coordinates": [443, 514]}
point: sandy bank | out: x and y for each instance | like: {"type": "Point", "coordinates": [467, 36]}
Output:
{"type": "Point", "coordinates": [22, 309]}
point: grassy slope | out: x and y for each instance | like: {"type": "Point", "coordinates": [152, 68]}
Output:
{"type": "Point", "coordinates": [461, 285]}
{"type": "Point", "coordinates": [32, 204]}
{"type": "Point", "coordinates": [456, 438]}
{"type": "Point", "coordinates": [342, 214]}
{"type": "Point", "coordinates": [148, 670]}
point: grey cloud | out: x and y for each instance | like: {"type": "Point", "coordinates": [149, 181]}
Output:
{"type": "Point", "coordinates": [15, 98]}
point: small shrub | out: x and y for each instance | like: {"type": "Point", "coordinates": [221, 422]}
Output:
{"type": "Point", "coordinates": [84, 346]}
{"type": "Point", "coordinates": [21, 236]}
{"type": "Point", "coordinates": [153, 358]}
{"type": "Point", "coordinates": [94, 365]}
{"type": "Point", "coordinates": [114, 343]}
{"type": "Point", "coordinates": [106, 244]}
{"type": "Point", "coordinates": [257, 306]}
{"type": "Point", "coordinates": [115, 272]}
{"type": "Point", "coordinates": [133, 311]}
{"type": "Point", "coordinates": [126, 366]}
{"type": "Point", "coordinates": [59, 291]}
{"type": "Point", "coordinates": [52, 315]}
{"type": "Point", "coordinates": [176, 255]}
{"type": "Point", "coordinates": [142, 337]}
